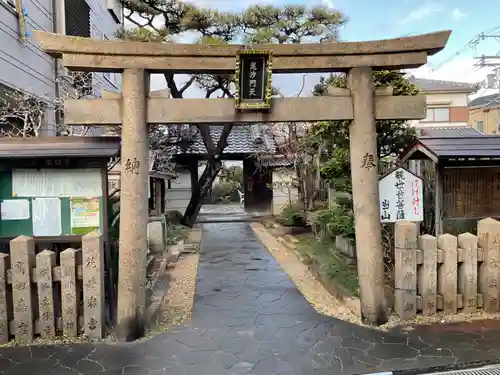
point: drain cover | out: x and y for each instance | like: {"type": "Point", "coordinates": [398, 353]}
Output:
{"type": "Point", "coordinates": [486, 370]}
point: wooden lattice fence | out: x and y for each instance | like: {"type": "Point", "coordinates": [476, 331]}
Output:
{"type": "Point", "coordinates": [46, 296]}
{"type": "Point", "coordinates": [447, 273]}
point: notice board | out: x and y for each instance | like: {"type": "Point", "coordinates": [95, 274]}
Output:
{"type": "Point", "coordinates": [50, 202]}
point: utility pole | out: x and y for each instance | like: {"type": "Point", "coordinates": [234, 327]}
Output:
{"type": "Point", "coordinates": [492, 79]}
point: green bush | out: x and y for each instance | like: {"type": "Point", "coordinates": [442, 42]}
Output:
{"type": "Point", "coordinates": [174, 217]}
{"type": "Point", "coordinates": [335, 221]}
{"type": "Point", "coordinates": [114, 218]}
{"type": "Point", "coordinates": [292, 215]}
{"type": "Point", "coordinates": [225, 191]}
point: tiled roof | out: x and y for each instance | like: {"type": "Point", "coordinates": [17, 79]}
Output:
{"type": "Point", "coordinates": [430, 85]}
{"type": "Point", "coordinates": [485, 146]}
{"type": "Point", "coordinates": [243, 139]}
{"type": "Point", "coordinates": [447, 131]}
{"type": "Point", "coordinates": [436, 148]}
{"type": "Point", "coordinates": [487, 101]}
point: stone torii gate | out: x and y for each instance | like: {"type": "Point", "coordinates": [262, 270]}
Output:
{"type": "Point", "coordinates": [135, 110]}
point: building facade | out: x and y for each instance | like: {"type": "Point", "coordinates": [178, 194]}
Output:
{"type": "Point", "coordinates": [484, 114]}
{"type": "Point", "coordinates": [447, 103]}
{"type": "Point", "coordinates": [25, 67]}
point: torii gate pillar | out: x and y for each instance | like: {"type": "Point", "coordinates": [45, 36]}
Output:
{"type": "Point", "coordinates": [365, 194]}
{"type": "Point", "coordinates": [133, 206]}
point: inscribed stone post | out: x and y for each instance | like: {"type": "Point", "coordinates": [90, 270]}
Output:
{"type": "Point", "coordinates": [70, 292]}
{"type": "Point", "coordinates": [405, 236]}
{"type": "Point", "coordinates": [93, 284]}
{"type": "Point", "coordinates": [467, 273]}
{"type": "Point", "coordinates": [22, 253]}
{"type": "Point", "coordinates": [488, 231]}
{"type": "Point", "coordinates": [134, 204]}
{"type": "Point", "coordinates": [364, 170]}
{"type": "Point", "coordinates": [4, 321]}
{"type": "Point", "coordinates": [45, 261]}
{"type": "Point", "coordinates": [447, 273]}
{"type": "Point", "coordinates": [427, 274]}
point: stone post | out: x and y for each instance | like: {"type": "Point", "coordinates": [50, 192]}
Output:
{"type": "Point", "coordinates": [134, 205]}
{"type": "Point", "coordinates": [22, 254]}
{"type": "Point", "coordinates": [488, 231]}
{"type": "Point", "coordinates": [447, 273]}
{"type": "Point", "coordinates": [364, 173]}
{"type": "Point", "coordinates": [467, 273]}
{"type": "Point", "coordinates": [70, 291]}
{"type": "Point", "coordinates": [45, 261]}
{"type": "Point", "coordinates": [93, 284]}
{"type": "Point", "coordinates": [427, 276]}
{"type": "Point", "coordinates": [405, 270]}
{"type": "Point", "coordinates": [4, 319]}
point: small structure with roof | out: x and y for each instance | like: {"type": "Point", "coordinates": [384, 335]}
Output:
{"type": "Point", "coordinates": [465, 178]}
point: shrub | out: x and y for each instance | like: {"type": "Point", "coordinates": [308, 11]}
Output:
{"type": "Point", "coordinates": [225, 190]}
{"type": "Point", "coordinates": [335, 221]}
{"type": "Point", "coordinates": [174, 217]}
{"type": "Point", "coordinates": [292, 215]}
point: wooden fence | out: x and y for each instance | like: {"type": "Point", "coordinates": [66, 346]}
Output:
{"type": "Point", "coordinates": [40, 297]}
{"type": "Point", "coordinates": [447, 274]}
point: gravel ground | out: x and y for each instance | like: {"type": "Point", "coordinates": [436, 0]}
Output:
{"type": "Point", "coordinates": [178, 301]}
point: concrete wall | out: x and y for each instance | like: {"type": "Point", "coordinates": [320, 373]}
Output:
{"type": "Point", "coordinates": [179, 193]}
{"type": "Point", "coordinates": [456, 102]}
{"type": "Point", "coordinates": [490, 118]}
{"type": "Point", "coordinates": [283, 193]}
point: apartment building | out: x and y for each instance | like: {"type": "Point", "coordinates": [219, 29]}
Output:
{"type": "Point", "coordinates": [447, 108]}
{"type": "Point", "coordinates": [484, 114]}
{"type": "Point", "coordinates": [25, 67]}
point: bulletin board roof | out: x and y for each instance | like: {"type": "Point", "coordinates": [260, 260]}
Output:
{"type": "Point", "coordinates": [42, 147]}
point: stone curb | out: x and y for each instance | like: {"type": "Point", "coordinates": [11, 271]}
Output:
{"type": "Point", "coordinates": [158, 295]}
{"type": "Point", "coordinates": [170, 258]}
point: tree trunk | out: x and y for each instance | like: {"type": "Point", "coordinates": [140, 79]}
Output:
{"type": "Point", "coordinates": [200, 191]}
{"type": "Point", "coordinates": [214, 165]}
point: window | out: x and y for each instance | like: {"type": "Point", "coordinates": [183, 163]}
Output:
{"type": "Point", "coordinates": [437, 115]}
{"type": "Point", "coordinates": [480, 126]}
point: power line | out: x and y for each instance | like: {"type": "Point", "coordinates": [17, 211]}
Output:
{"type": "Point", "coordinates": [472, 44]}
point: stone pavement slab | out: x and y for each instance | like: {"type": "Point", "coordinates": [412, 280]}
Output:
{"type": "Point", "coordinates": [249, 318]}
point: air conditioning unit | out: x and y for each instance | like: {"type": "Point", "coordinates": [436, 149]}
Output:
{"type": "Point", "coordinates": [115, 9]}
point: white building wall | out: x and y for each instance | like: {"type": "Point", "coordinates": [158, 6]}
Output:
{"type": "Point", "coordinates": [283, 191]}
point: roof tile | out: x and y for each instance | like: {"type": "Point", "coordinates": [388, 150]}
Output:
{"type": "Point", "coordinates": [243, 139]}
{"type": "Point", "coordinates": [438, 85]}
{"type": "Point", "coordinates": [448, 131]}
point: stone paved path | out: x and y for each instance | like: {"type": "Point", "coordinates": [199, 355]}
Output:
{"type": "Point", "coordinates": [250, 319]}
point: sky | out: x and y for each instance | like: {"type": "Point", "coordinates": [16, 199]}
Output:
{"type": "Point", "coordinates": [382, 19]}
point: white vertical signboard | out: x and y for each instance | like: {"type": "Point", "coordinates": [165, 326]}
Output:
{"type": "Point", "coordinates": [401, 197]}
